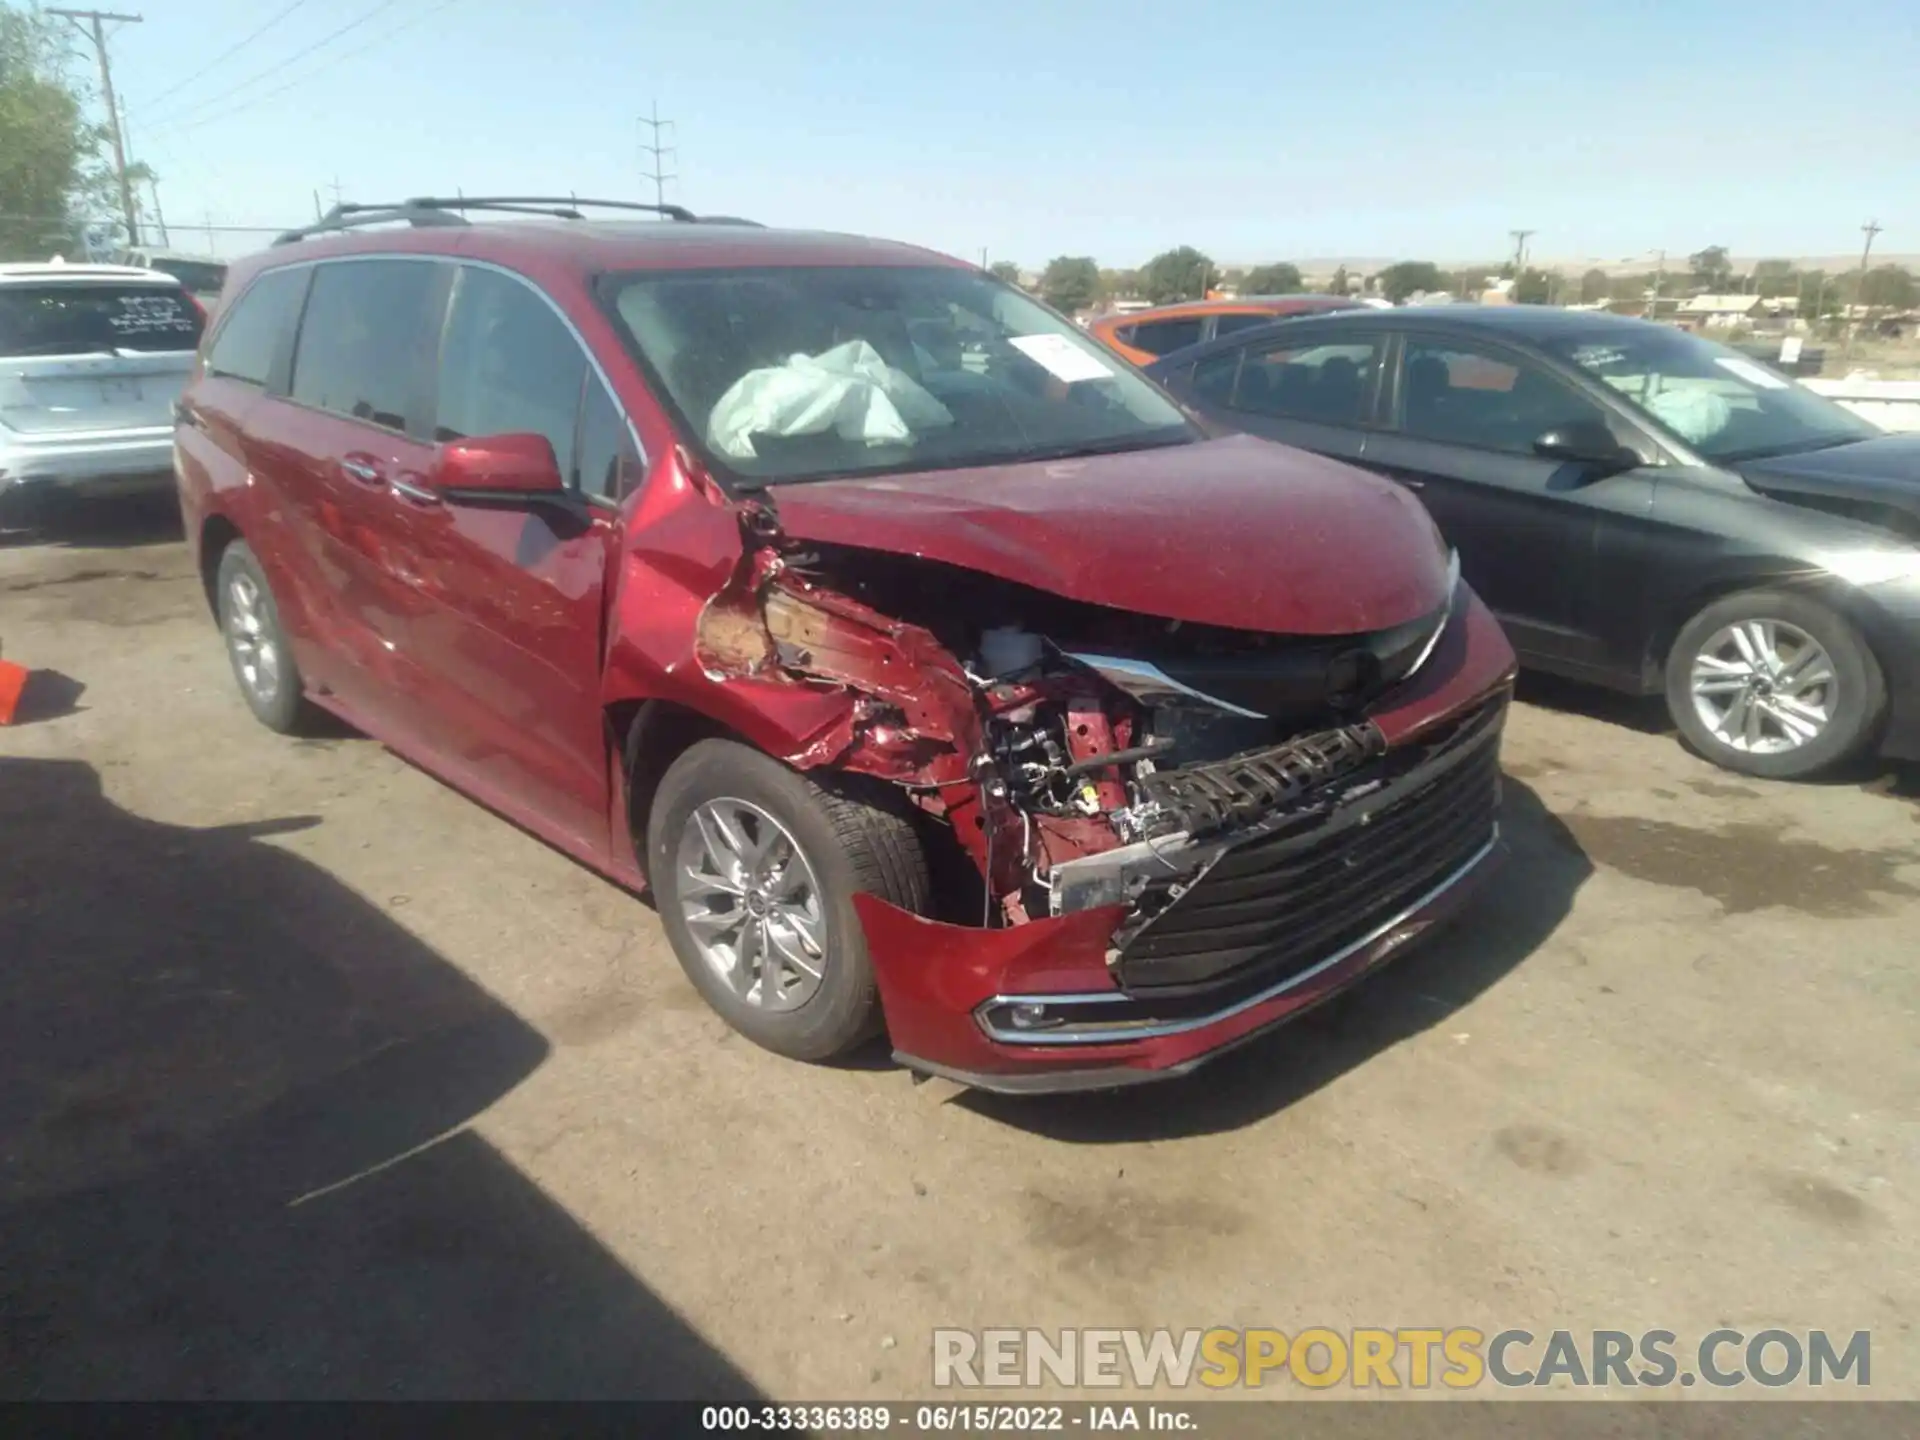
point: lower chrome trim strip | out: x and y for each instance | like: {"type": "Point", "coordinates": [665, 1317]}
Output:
{"type": "Point", "coordinates": [1120, 1031]}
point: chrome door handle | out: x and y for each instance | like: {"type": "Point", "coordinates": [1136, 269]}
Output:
{"type": "Point", "coordinates": [361, 470]}
{"type": "Point", "coordinates": [413, 492]}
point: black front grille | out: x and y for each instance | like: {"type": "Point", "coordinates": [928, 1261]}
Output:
{"type": "Point", "coordinates": [1279, 905]}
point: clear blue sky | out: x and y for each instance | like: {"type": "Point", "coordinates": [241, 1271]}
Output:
{"type": "Point", "coordinates": [1040, 127]}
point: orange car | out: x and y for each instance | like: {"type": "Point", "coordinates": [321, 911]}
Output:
{"type": "Point", "coordinates": [1146, 335]}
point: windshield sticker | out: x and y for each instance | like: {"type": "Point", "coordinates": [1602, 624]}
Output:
{"type": "Point", "coordinates": [1751, 373]}
{"type": "Point", "coordinates": [1061, 358]}
{"type": "Point", "coordinates": [1598, 357]}
{"type": "Point", "coordinates": [146, 314]}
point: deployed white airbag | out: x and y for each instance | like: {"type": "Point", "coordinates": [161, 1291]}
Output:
{"type": "Point", "coordinates": [849, 390]}
{"type": "Point", "coordinates": [1693, 411]}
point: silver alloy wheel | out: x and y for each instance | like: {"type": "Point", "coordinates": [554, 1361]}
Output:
{"type": "Point", "coordinates": [1764, 687]}
{"type": "Point", "coordinates": [751, 903]}
{"type": "Point", "coordinates": [256, 658]}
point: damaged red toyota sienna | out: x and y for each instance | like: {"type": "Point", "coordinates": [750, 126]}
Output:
{"type": "Point", "coordinates": [933, 670]}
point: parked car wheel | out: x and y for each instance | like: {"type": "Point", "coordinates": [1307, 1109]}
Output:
{"type": "Point", "coordinates": [1774, 685]}
{"type": "Point", "coordinates": [257, 646]}
{"type": "Point", "coordinates": [754, 867]}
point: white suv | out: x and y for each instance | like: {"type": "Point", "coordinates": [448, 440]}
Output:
{"type": "Point", "coordinates": [92, 359]}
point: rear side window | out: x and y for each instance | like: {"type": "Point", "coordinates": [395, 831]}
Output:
{"type": "Point", "coordinates": [363, 344]}
{"type": "Point", "coordinates": [508, 365]}
{"type": "Point", "coordinates": [249, 338]}
{"type": "Point", "coordinates": [1163, 337]}
{"type": "Point", "coordinates": [1306, 380]}
{"type": "Point", "coordinates": [84, 319]}
{"type": "Point", "coordinates": [1213, 377]}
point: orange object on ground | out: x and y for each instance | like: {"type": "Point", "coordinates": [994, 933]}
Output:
{"type": "Point", "coordinates": [13, 683]}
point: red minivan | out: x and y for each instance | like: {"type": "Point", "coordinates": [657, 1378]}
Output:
{"type": "Point", "coordinates": [935, 671]}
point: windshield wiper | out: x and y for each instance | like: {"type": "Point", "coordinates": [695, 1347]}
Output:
{"type": "Point", "coordinates": [1112, 445]}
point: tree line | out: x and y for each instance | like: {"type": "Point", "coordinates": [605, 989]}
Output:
{"type": "Point", "coordinates": [55, 182]}
{"type": "Point", "coordinates": [1072, 283]}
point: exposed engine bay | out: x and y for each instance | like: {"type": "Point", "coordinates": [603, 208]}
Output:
{"type": "Point", "coordinates": [1082, 756]}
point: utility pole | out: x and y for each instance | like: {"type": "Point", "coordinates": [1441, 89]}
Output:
{"type": "Point", "coordinates": [1870, 229]}
{"type": "Point", "coordinates": [659, 152]}
{"type": "Point", "coordinates": [94, 30]}
{"type": "Point", "coordinates": [1520, 250]}
{"type": "Point", "coordinates": [159, 216]}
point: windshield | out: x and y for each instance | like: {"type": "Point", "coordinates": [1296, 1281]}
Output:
{"type": "Point", "coordinates": [802, 373]}
{"type": "Point", "coordinates": [70, 319]}
{"type": "Point", "coordinates": [1724, 405]}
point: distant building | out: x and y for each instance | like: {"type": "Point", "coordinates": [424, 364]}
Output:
{"type": "Point", "coordinates": [1718, 311]}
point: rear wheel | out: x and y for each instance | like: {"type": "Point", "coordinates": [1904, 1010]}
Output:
{"type": "Point", "coordinates": [754, 868]}
{"type": "Point", "coordinates": [1774, 685]}
{"type": "Point", "coordinates": [262, 660]}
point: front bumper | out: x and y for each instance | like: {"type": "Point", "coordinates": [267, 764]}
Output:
{"type": "Point", "coordinates": [79, 463]}
{"type": "Point", "coordinates": [1168, 1049]}
{"type": "Point", "coordinates": [1043, 1007]}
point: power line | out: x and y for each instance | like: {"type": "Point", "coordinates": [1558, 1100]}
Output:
{"type": "Point", "coordinates": [94, 31]}
{"type": "Point", "coordinates": [231, 50]}
{"type": "Point", "coordinates": [202, 122]}
{"type": "Point", "coordinates": [657, 151]}
{"type": "Point", "coordinates": [279, 65]}
{"type": "Point", "coordinates": [28, 219]}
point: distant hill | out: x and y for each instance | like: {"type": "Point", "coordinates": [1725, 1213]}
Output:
{"type": "Point", "coordinates": [1323, 266]}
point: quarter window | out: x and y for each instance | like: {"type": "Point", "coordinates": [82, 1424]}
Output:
{"type": "Point", "coordinates": [1460, 394]}
{"type": "Point", "coordinates": [609, 463]}
{"type": "Point", "coordinates": [363, 340]}
{"type": "Point", "coordinates": [1304, 380]}
{"type": "Point", "coordinates": [250, 336]}
{"type": "Point", "coordinates": [508, 366]}
{"type": "Point", "coordinates": [1163, 337]}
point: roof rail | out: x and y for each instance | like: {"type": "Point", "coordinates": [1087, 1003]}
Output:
{"type": "Point", "coordinates": [427, 210]}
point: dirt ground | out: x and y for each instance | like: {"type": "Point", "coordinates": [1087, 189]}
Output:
{"type": "Point", "coordinates": [318, 1080]}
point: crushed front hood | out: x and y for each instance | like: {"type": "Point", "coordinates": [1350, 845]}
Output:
{"type": "Point", "coordinates": [1236, 532]}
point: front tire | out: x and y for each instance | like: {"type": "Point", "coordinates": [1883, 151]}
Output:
{"type": "Point", "coordinates": [1774, 685]}
{"type": "Point", "coordinates": [257, 647]}
{"type": "Point", "coordinates": [754, 867]}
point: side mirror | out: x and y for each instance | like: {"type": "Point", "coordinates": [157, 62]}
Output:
{"type": "Point", "coordinates": [498, 470]}
{"type": "Point", "coordinates": [1587, 443]}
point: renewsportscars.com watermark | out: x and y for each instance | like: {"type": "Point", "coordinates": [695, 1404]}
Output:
{"type": "Point", "coordinates": [1461, 1358]}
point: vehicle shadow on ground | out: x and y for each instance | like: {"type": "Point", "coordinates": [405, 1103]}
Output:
{"type": "Point", "coordinates": [233, 1161]}
{"type": "Point", "coordinates": [1645, 713]}
{"type": "Point", "coordinates": [107, 523]}
{"type": "Point", "coordinates": [1521, 906]}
